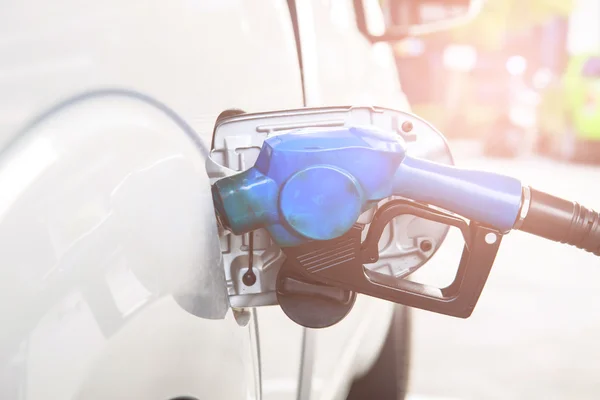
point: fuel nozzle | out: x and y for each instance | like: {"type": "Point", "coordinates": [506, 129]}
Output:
{"type": "Point", "coordinates": [309, 187]}
{"type": "Point", "coordinates": [314, 184]}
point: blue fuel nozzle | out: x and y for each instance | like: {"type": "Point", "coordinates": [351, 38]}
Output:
{"type": "Point", "coordinates": [313, 184]}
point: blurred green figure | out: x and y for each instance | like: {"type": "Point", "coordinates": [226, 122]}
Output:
{"type": "Point", "coordinates": [569, 111]}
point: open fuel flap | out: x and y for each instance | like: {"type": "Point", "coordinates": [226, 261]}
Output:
{"type": "Point", "coordinates": [253, 261]}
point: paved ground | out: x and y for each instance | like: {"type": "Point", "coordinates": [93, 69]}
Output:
{"type": "Point", "coordinates": [535, 333]}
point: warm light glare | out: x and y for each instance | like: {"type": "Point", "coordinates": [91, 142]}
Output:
{"type": "Point", "coordinates": [516, 65]}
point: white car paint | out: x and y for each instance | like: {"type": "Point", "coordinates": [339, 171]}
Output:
{"type": "Point", "coordinates": [107, 232]}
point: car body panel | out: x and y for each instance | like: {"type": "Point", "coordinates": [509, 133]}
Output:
{"type": "Point", "coordinates": [97, 235]}
{"type": "Point", "coordinates": [110, 270]}
{"type": "Point", "coordinates": [197, 57]}
{"type": "Point", "coordinates": [52, 52]}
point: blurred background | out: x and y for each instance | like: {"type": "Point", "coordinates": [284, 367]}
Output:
{"type": "Point", "coordinates": [516, 90]}
{"type": "Point", "coordinates": [521, 76]}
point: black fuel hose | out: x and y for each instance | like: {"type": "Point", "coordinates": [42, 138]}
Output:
{"type": "Point", "coordinates": [560, 220]}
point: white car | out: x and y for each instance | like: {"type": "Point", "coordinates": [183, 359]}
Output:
{"type": "Point", "coordinates": [111, 270]}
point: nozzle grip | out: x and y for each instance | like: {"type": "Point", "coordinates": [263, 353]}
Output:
{"type": "Point", "coordinates": [563, 221]}
{"type": "Point", "coordinates": [488, 198]}
{"type": "Point", "coordinates": [246, 201]}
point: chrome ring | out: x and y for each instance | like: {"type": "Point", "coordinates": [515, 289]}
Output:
{"type": "Point", "coordinates": [525, 203]}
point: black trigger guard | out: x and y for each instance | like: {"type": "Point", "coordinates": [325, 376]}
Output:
{"type": "Point", "coordinates": [396, 208]}
{"type": "Point", "coordinates": [339, 262]}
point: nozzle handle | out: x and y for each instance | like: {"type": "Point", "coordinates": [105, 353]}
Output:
{"type": "Point", "coordinates": [488, 198]}
{"type": "Point", "coordinates": [563, 221]}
